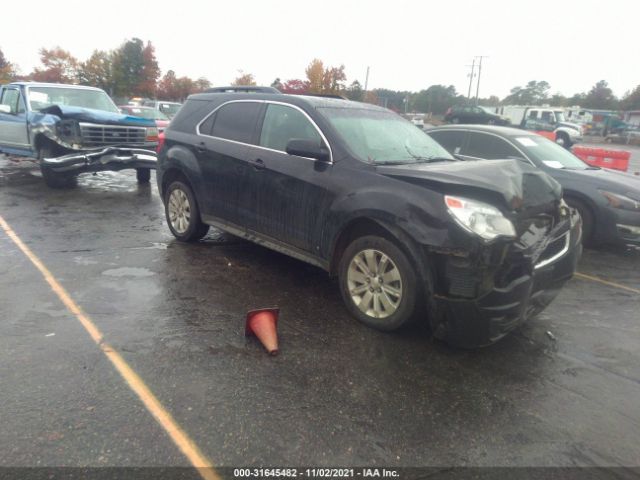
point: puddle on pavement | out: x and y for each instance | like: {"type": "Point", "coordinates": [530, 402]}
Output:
{"type": "Point", "coordinates": [18, 171]}
{"type": "Point", "coordinates": [129, 272]}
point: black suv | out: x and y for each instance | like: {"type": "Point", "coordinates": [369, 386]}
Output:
{"type": "Point", "coordinates": [473, 114]}
{"type": "Point", "coordinates": [475, 248]}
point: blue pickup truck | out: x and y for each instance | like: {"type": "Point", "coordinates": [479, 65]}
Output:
{"type": "Point", "coordinates": [73, 129]}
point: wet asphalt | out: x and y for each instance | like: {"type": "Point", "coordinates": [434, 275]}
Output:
{"type": "Point", "coordinates": [564, 390]}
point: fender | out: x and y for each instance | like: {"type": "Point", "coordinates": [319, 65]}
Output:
{"type": "Point", "coordinates": [180, 158]}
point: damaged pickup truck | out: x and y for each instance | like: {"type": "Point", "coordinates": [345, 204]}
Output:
{"type": "Point", "coordinates": [472, 248]}
{"type": "Point", "coordinates": [72, 129]}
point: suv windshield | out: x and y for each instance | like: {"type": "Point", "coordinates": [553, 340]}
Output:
{"type": "Point", "coordinates": [550, 153]}
{"type": "Point", "coordinates": [43, 97]}
{"type": "Point", "coordinates": [383, 137]}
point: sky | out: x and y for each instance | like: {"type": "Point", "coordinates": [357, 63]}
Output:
{"type": "Point", "coordinates": [407, 44]}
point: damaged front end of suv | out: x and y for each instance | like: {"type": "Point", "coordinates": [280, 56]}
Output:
{"type": "Point", "coordinates": [72, 130]}
{"type": "Point", "coordinates": [497, 266]}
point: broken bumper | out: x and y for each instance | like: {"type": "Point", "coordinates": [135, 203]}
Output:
{"type": "Point", "coordinates": [109, 158]}
{"type": "Point", "coordinates": [476, 322]}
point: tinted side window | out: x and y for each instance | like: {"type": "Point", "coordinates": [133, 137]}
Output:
{"type": "Point", "coordinates": [451, 141]}
{"type": "Point", "coordinates": [490, 147]}
{"type": "Point", "coordinates": [282, 123]}
{"type": "Point", "coordinates": [236, 121]}
{"type": "Point", "coordinates": [207, 125]}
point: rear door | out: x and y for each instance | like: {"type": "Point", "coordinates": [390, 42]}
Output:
{"type": "Point", "coordinates": [487, 146]}
{"type": "Point", "coordinates": [224, 140]}
{"type": "Point", "coordinates": [13, 123]}
{"type": "Point", "coordinates": [286, 203]}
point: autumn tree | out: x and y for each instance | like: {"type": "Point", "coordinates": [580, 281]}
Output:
{"type": "Point", "coordinates": [244, 79]}
{"type": "Point", "coordinates": [315, 76]}
{"type": "Point", "coordinates": [128, 67]}
{"type": "Point", "coordinates": [58, 66]}
{"type": "Point", "coordinates": [7, 69]}
{"type": "Point", "coordinates": [200, 85]}
{"type": "Point", "coordinates": [149, 74]}
{"type": "Point", "coordinates": [295, 86]}
{"type": "Point", "coordinates": [96, 71]}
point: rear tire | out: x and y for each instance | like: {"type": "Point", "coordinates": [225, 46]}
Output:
{"type": "Point", "coordinates": [143, 175]}
{"type": "Point", "coordinates": [378, 283]}
{"type": "Point", "coordinates": [182, 213]}
{"type": "Point", "coordinates": [54, 179]}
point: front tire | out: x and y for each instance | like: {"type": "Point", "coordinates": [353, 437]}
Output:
{"type": "Point", "coordinates": [563, 140]}
{"type": "Point", "coordinates": [53, 179]}
{"type": "Point", "coordinates": [183, 214]}
{"type": "Point", "coordinates": [143, 175]}
{"type": "Point", "coordinates": [378, 284]}
{"type": "Point", "coordinates": [587, 220]}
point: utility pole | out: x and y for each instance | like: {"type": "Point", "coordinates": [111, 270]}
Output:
{"type": "Point", "coordinates": [366, 81]}
{"type": "Point", "coordinates": [479, 73]}
{"type": "Point", "coordinates": [473, 66]}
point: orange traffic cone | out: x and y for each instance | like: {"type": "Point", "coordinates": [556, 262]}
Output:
{"type": "Point", "coordinates": [262, 323]}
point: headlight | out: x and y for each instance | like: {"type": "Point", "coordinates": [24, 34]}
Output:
{"type": "Point", "coordinates": [152, 134]}
{"type": "Point", "coordinates": [620, 201]}
{"type": "Point", "coordinates": [480, 218]}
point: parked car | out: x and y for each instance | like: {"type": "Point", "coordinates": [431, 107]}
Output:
{"type": "Point", "coordinates": [608, 201]}
{"type": "Point", "coordinates": [362, 193]}
{"type": "Point", "coordinates": [168, 108]}
{"type": "Point", "coordinates": [473, 114]}
{"type": "Point", "coordinates": [71, 129]}
{"type": "Point", "coordinates": [162, 120]}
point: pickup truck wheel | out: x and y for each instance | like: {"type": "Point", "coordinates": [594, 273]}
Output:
{"type": "Point", "coordinates": [143, 175]}
{"type": "Point", "coordinates": [183, 214]}
{"type": "Point", "coordinates": [378, 283]}
{"type": "Point", "coordinates": [53, 179]}
{"type": "Point", "coordinates": [563, 140]}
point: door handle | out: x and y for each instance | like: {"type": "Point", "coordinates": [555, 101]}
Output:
{"type": "Point", "coordinates": [200, 148]}
{"type": "Point", "coordinates": [258, 164]}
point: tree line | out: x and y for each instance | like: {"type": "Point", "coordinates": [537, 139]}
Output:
{"type": "Point", "coordinates": [131, 70]}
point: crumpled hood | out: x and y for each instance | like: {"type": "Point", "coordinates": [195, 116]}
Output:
{"type": "Point", "coordinates": [521, 186]}
{"type": "Point", "coordinates": [97, 116]}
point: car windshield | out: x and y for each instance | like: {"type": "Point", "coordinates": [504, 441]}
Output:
{"type": "Point", "coordinates": [382, 137]}
{"type": "Point", "coordinates": [43, 97]}
{"type": "Point", "coordinates": [550, 153]}
{"type": "Point", "coordinates": [149, 113]}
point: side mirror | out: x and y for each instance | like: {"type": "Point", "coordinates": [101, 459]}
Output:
{"type": "Point", "coordinates": [308, 149]}
{"type": "Point", "coordinates": [5, 109]}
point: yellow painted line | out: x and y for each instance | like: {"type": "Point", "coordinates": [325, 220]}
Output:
{"type": "Point", "coordinates": [605, 282]}
{"type": "Point", "coordinates": [176, 433]}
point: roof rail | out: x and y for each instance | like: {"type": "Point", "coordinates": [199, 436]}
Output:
{"type": "Point", "coordinates": [242, 89]}
{"type": "Point", "coordinates": [325, 95]}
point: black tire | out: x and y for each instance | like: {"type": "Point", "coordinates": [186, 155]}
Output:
{"type": "Point", "coordinates": [563, 140]}
{"type": "Point", "coordinates": [455, 120]}
{"type": "Point", "coordinates": [407, 304]}
{"type": "Point", "coordinates": [143, 175]}
{"type": "Point", "coordinates": [54, 179]}
{"type": "Point", "coordinates": [587, 220]}
{"type": "Point", "coordinates": [189, 212]}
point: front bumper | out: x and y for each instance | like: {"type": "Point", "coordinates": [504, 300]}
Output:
{"type": "Point", "coordinates": [483, 320]}
{"type": "Point", "coordinates": [109, 158]}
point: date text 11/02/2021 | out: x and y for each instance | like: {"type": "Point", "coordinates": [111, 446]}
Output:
{"type": "Point", "coordinates": [315, 472]}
